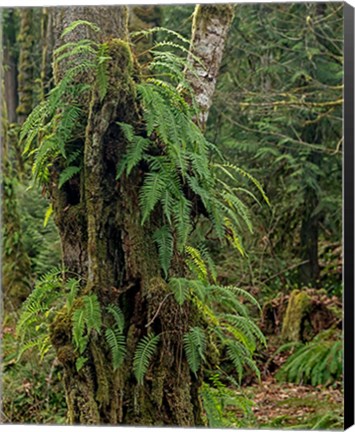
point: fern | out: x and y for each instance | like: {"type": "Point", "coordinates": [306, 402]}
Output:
{"type": "Point", "coordinates": [79, 321]}
{"type": "Point", "coordinates": [180, 288]}
{"type": "Point", "coordinates": [39, 302]}
{"type": "Point", "coordinates": [117, 345]}
{"type": "Point", "coordinates": [72, 26]}
{"type": "Point", "coordinates": [80, 362]}
{"type": "Point", "coordinates": [220, 402]}
{"type": "Point", "coordinates": [164, 240]}
{"type": "Point", "coordinates": [101, 70]}
{"type": "Point", "coordinates": [151, 193]}
{"type": "Point", "coordinates": [195, 345]}
{"type": "Point", "coordinates": [67, 174]}
{"type": "Point", "coordinates": [196, 263]}
{"type": "Point", "coordinates": [73, 287]}
{"type": "Point", "coordinates": [53, 126]}
{"type": "Point", "coordinates": [92, 312]}
{"type": "Point", "coordinates": [117, 313]}
{"type": "Point", "coordinates": [145, 350]}
{"type": "Point", "coordinates": [317, 362]}
{"type": "Point", "coordinates": [85, 319]}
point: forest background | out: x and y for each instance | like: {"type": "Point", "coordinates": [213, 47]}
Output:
{"type": "Point", "coordinates": [277, 114]}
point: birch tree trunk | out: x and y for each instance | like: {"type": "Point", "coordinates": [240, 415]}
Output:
{"type": "Point", "coordinates": [209, 33]}
{"type": "Point", "coordinates": [104, 242]}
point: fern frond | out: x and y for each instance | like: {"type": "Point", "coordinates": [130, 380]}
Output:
{"type": "Point", "coordinates": [180, 288]}
{"type": "Point", "coordinates": [195, 263]}
{"type": "Point", "coordinates": [164, 240]}
{"type": "Point", "coordinates": [73, 287]}
{"type": "Point", "coordinates": [79, 320]}
{"type": "Point", "coordinates": [153, 30]}
{"type": "Point", "coordinates": [117, 344]}
{"type": "Point", "coordinates": [151, 193]}
{"type": "Point", "coordinates": [92, 310]}
{"type": "Point", "coordinates": [117, 313]}
{"type": "Point", "coordinates": [73, 25]}
{"type": "Point", "coordinates": [80, 362]}
{"type": "Point", "coordinates": [145, 350]}
{"type": "Point", "coordinates": [67, 174]}
{"type": "Point", "coordinates": [194, 345]}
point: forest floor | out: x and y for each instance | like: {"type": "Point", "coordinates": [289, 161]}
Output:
{"type": "Point", "coordinates": [280, 405]}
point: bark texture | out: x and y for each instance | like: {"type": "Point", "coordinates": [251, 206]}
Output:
{"type": "Point", "coordinates": [209, 33]}
{"type": "Point", "coordinates": [16, 270]}
{"type": "Point", "coordinates": [25, 76]}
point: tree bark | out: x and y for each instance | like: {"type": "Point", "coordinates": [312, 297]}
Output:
{"type": "Point", "coordinates": [16, 269]}
{"type": "Point", "coordinates": [209, 33]}
{"type": "Point", "coordinates": [104, 243]}
{"type": "Point", "coordinates": [25, 76]}
{"type": "Point", "coordinates": [309, 271]}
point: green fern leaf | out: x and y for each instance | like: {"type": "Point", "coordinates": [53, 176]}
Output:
{"type": "Point", "coordinates": [117, 344]}
{"type": "Point", "coordinates": [180, 288]}
{"type": "Point", "coordinates": [92, 312]}
{"type": "Point", "coordinates": [73, 25]}
{"type": "Point", "coordinates": [67, 174]}
{"type": "Point", "coordinates": [145, 350]}
{"type": "Point", "coordinates": [164, 240]}
{"type": "Point", "coordinates": [117, 313]}
{"type": "Point", "coordinates": [79, 320]}
{"type": "Point", "coordinates": [80, 362]}
{"type": "Point", "coordinates": [194, 345]}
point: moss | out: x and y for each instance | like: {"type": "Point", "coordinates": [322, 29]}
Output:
{"type": "Point", "coordinates": [202, 14]}
{"type": "Point", "coordinates": [61, 329]}
{"type": "Point", "coordinates": [102, 392]}
{"type": "Point", "coordinates": [298, 306]}
{"type": "Point", "coordinates": [158, 387]}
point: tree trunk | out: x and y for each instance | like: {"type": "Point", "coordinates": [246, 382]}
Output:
{"type": "Point", "coordinates": [104, 243]}
{"type": "Point", "coordinates": [209, 33]}
{"type": "Point", "coordinates": [16, 269]}
{"type": "Point", "coordinates": [309, 271]}
{"type": "Point", "coordinates": [25, 76]}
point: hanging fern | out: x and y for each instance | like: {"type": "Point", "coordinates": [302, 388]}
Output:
{"type": "Point", "coordinates": [67, 174]}
{"type": "Point", "coordinates": [175, 156]}
{"type": "Point", "coordinates": [79, 321]}
{"type": "Point", "coordinates": [50, 131]}
{"type": "Point", "coordinates": [145, 350]}
{"type": "Point", "coordinates": [117, 344]}
{"type": "Point", "coordinates": [117, 313]}
{"type": "Point", "coordinates": [164, 240]}
{"type": "Point", "coordinates": [85, 319]}
{"type": "Point", "coordinates": [195, 345]}
{"type": "Point", "coordinates": [180, 288]}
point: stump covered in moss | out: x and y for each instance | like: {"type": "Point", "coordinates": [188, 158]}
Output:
{"type": "Point", "coordinates": [300, 315]}
{"type": "Point", "coordinates": [298, 307]}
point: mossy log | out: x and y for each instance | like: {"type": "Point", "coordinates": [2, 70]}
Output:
{"type": "Point", "coordinates": [300, 315]}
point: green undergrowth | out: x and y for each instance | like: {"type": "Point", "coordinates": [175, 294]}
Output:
{"type": "Point", "coordinates": [30, 393]}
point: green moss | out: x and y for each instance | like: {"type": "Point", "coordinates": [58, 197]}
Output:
{"type": "Point", "coordinates": [102, 392]}
{"type": "Point", "coordinates": [202, 14]}
{"type": "Point", "coordinates": [298, 306]}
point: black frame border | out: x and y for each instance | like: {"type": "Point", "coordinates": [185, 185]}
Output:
{"type": "Point", "coordinates": [348, 219]}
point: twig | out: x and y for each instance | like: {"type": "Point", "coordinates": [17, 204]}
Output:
{"type": "Point", "coordinates": [285, 270]}
{"type": "Point", "coordinates": [158, 310]}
